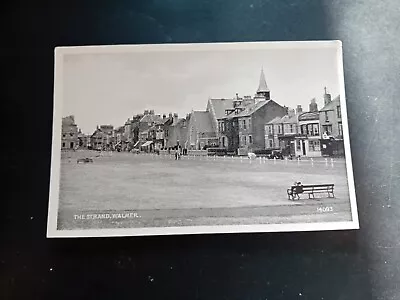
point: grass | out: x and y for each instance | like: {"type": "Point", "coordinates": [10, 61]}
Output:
{"type": "Point", "coordinates": [199, 191]}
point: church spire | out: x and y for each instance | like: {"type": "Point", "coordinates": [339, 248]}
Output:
{"type": "Point", "coordinates": [263, 89]}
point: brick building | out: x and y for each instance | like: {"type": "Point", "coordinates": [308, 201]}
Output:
{"type": "Point", "coordinates": [244, 123]}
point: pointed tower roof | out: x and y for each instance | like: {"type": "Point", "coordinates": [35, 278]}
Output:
{"type": "Point", "coordinates": [262, 87]}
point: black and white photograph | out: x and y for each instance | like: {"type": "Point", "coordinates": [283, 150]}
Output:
{"type": "Point", "coordinates": [200, 138]}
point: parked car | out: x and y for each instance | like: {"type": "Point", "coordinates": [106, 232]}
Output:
{"type": "Point", "coordinates": [216, 151]}
{"type": "Point", "coordinates": [275, 155]}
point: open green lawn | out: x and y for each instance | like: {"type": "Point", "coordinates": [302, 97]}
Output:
{"type": "Point", "coordinates": [194, 191]}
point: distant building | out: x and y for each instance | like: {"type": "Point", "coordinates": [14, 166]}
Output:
{"type": "Point", "coordinates": [280, 133]}
{"type": "Point", "coordinates": [69, 133]}
{"type": "Point", "coordinates": [103, 138]}
{"type": "Point", "coordinates": [330, 118]}
{"type": "Point", "coordinates": [148, 120]}
{"type": "Point", "coordinates": [178, 132]}
{"type": "Point", "coordinates": [201, 131]}
{"type": "Point", "coordinates": [83, 140]}
{"type": "Point", "coordinates": [120, 140]}
{"type": "Point", "coordinates": [217, 109]}
{"type": "Point", "coordinates": [244, 124]}
{"type": "Point", "coordinates": [308, 142]}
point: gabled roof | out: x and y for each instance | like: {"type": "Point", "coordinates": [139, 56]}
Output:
{"type": "Point", "coordinates": [98, 131]}
{"type": "Point", "coordinates": [276, 120]}
{"type": "Point", "coordinates": [168, 121]}
{"type": "Point", "coordinates": [220, 105]}
{"type": "Point", "coordinates": [151, 119]}
{"type": "Point", "coordinates": [179, 123]}
{"type": "Point", "coordinates": [331, 105]}
{"type": "Point", "coordinates": [250, 109]}
{"type": "Point", "coordinates": [203, 121]}
{"type": "Point", "coordinates": [287, 119]}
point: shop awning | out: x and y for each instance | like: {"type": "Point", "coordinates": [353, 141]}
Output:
{"type": "Point", "coordinates": [148, 143]}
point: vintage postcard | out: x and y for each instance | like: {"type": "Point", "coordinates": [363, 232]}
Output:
{"type": "Point", "coordinates": [200, 138]}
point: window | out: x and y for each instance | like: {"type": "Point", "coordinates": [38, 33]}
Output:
{"type": "Point", "coordinates": [303, 130]}
{"type": "Point", "coordinates": [339, 112]}
{"type": "Point", "coordinates": [250, 139]}
{"type": "Point", "coordinates": [326, 116]}
{"type": "Point", "coordinates": [270, 143]}
{"type": "Point", "coordinates": [340, 129]}
{"type": "Point", "coordinates": [244, 124]}
{"type": "Point", "coordinates": [314, 145]}
{"type": "Point", "coordinates": [309, 129]}
{"type": "Point", "coordinates": [249, 123]}
{"type": "Point", "coordinates": [291, 128]}
{"type": "Point", "coordinates": [63, 145]}
{"type": "Point", "coordinates": [298, 145]}
{"type": "Point", "coordinates": [315, 129]}
{"type": "Point", "coordinates": [279, 129]}
{"type": "Point", "coordinates": [244, 140]}
{"type": "Point", "coordinates": [327, 129]}
{"type": "Point", "coordinates": [270, 129]}
{"type": "Point", "coordinates": [71, 145]}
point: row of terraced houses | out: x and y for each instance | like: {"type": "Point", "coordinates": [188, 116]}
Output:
{"type": "Point", "coordinates": [238, 124]}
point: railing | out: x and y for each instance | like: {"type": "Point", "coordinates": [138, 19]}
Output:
{"type": "Point", "coordinates": [189, 152]}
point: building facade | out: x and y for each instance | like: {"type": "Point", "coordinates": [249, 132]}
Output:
{"type": "Point", "coordinates": [331, 119]}
{"type": "Point", "coordinates": [69, 133]}
{"type": "Point", "coordinates": [280, 133]}
{"type": "Point", "coordinates": [201, 133]}
{"type": "Point", "coordinates": [332, 143]}
{"type": "Point", "coordinates": [308, 142]}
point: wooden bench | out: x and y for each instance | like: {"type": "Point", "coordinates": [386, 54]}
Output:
{"type": "Point", "coordinates": [311, 190]}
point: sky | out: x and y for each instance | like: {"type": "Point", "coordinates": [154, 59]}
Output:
{"type": "Point", "coordinates": [109, 88]}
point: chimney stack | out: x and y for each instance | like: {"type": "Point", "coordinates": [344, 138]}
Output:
{"type": "Point", "coordinates": [327, 97]}
{"type": "Point", "coordinates": [299, 109]}
{"type": "Point", "coordinates": [175, 119]}
{"type": "Point", "coordinates": [152, 111]}
{"type": "Point", "coordinates": [146, 112]}
{"type": "Point", "coordinates": [286, 109]}
{"type": "Point", "coordinates": [313, 106]}
{"type": "Point", "coordinates": [164, 116]}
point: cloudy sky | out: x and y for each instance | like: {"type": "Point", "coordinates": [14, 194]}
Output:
{"type": "Point", "coordinates": [109, 88]}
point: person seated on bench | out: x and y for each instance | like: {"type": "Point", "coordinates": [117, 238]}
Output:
{"type": "Point", "coordinates": [296, 190]}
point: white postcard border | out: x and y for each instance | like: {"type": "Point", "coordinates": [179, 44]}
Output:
{"type": "Point", "coordinates": [53, 232]}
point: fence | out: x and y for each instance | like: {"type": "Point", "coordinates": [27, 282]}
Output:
{"type": "Point", "coordinates": [201, 155]}
{"type": "Point", "coordinates": [189, 152]}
